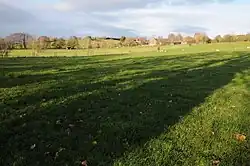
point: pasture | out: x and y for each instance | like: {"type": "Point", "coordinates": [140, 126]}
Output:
{"type": "Point", "coordinates": [139, 107]}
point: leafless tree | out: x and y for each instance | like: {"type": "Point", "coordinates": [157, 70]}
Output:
{"type": "Point", "coordinates": [23, 38]}
{"type": "Point", "coordinates": [4, 48]}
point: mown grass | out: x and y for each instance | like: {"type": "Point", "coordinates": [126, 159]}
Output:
{"type": "Point", "coordinates": [177, 49]}
{"type": "Point", "coordinates": [135, 109]}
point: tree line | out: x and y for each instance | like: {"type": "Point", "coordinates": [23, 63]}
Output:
{"type": "Point", "coordinates": [26, 41]}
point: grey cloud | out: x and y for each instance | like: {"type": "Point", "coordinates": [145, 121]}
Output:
{"type": "Point", "coordinates": [196, 2]}
{"type": "Point", "coordinates": [14, 16]}
{"type": "Point", "coordinates": [107, 5]}
{"type": "Point", "coordinates": [106, 30]}
{"type": "Point", "coordinates": [100, 26]}
{"type": "Point", "coordinates": [104, 5]}
{"type": "Point", "coordinates": [189, 29]}
{"type": "Point", "coordinates": [141, 20]}
{"type": "Point", "coordinates": [15, 20]}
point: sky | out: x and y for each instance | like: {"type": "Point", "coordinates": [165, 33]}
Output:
{"type": "Point", "coordinates": [116, 18]}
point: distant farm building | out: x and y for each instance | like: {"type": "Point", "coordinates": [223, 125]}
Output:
{"type": "Point", "coordinates": [163, 41]}
{"type": "Point", "coordinates": [153, 42]}
{"type": "Point", "coordinates": [141, 41]}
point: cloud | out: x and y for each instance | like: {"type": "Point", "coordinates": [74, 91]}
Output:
{"type": "Point", "coordinates": [188, 29]}
{"type": "Point", "coordinates": [14, 16]}
{"type": "Point", "coordinates": [106, 5]}
{"type": "Point", "coordinates": [160, 20]}
{"type": "Point", "coordinates": [123, 17]}
{"type": "Point", "coordinates": [14, 19]}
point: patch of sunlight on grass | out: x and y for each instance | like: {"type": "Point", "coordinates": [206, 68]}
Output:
{"type": "Point", "coordinates": [133, 83]}
{"type": "Point", "coordinates": [62, 101]}
{"type": "Point", "coordinates": [206, 134]}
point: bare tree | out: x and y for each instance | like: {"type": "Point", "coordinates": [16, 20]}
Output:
{"type": "Point", "coordinates": [218, 39]}
{"type": "Point", "coordinates": [44, 42]}
{"type": "Point", "coordinates": [189, 40]}
{"type": "Point", "coordinates": [89, 44]}
{"type": "Point", "coordinates": [171, 38]}
{"type": "Point", "coordinates": [4, 48]}
{"type": "Point", "coordinates": [72, 43]}
{"type": "Point", "coordinates": [19, 40]}
{"type": "Point", "coordinates": [241, 38]}
{"type": "Point", "coordinates": [23, 37]}
{"type": "Point", "coordinates": [122, 40]}
{"type": "Point", "coordinates": [248, 37]}
{"type": "Point", "coordinates": [179, 38]}
{"type": "Point", "coordinates": [228, 38]}
{"type": "Point", "coordinates": [198, 37]}
{"type": "Point", "coordinates": [36, 47]}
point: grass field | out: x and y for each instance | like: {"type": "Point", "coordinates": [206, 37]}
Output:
{"type": "Point", "coordinates": [180, 107]}
{"type": "Point", "coordinates": [178, 49]}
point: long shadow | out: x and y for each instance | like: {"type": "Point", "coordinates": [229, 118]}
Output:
{"type": "Point", "coordinates": [9, 80]}
{"type": "Point", "coordinates": [68, 86]}
{"type": "Point", "coordinates": [107, 121]}
{"type": "Point", "coordinates": [40, 64]}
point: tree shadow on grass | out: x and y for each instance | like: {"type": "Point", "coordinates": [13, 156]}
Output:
{"type": "Point", "coordinates": [100, 121]}
{"type": "Point", "coordinates": [12, 69]}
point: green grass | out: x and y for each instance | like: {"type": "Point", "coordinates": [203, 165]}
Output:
{"type": "Point", "coordinates": [178, 49]}
{"type": "Point", "coordinates": [81, 52]}
{"type": "Point", "coordinates": [144, 108]}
